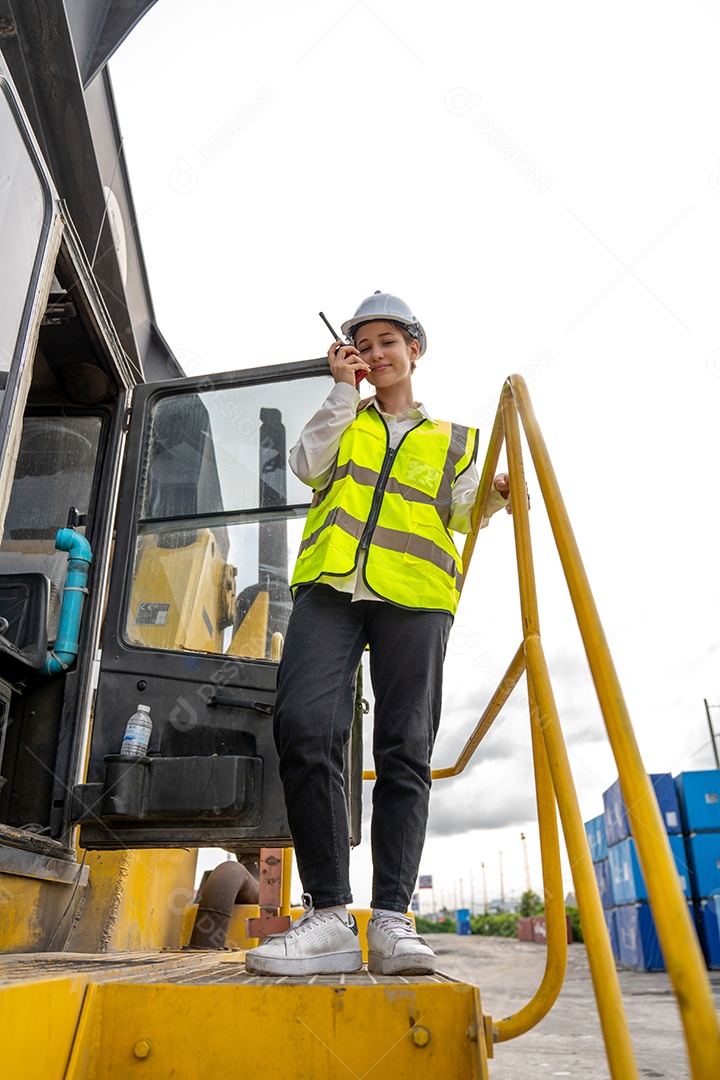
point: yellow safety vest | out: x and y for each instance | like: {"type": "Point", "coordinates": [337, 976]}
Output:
{"type": "Point", "coordinates": [395, 504]}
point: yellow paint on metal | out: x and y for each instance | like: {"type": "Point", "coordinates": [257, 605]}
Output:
{"type": "Point", "coordinates": [679, 943]}
{"type": "Point", "coordinates": [556, 953]}
{"type": "Point", "coordinates": [236, 938]}
{"type": "Point", "coordinates": [37, 1027]}
{"type": "Point", "coordinates": [250, 638]}
{"type": "Point", "coordinates": [486, 478]}
{"type": "Point", "coordinates": [84, 1059]}
{"type": "Point", "coordinates": [362, 917]}
{"type": "Point", "coordinates": [286, 873]}
{"type": "Point", "coordinates": [192, 581]}
{"type": "Point", "coordinates": [135, 900]}
{"type": "Point", "coordinates": [306, 1032]}
{"type": "Point", "coordinates": [602, 965]}
{"type": "Point", "coordinates": [33, 913]}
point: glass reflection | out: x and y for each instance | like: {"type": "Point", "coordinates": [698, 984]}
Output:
{"type": "Point", "coordinates": [221, 515]}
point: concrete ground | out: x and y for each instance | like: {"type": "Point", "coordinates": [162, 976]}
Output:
{"type": "Point", "coordinates": [568, 1042]}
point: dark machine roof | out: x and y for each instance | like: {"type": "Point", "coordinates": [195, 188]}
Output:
{"type": "Point", "coordinates": [57, 53]}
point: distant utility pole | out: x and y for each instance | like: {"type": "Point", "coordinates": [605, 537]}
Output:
{"type": "Point", "coordinates": [485, 903]}
{"type": "Point", "coordinates": [528, 886]}
{"type": "Point", "coordinates": [712, 732]}
{"type": "Point", "coordinates": [502, 883]}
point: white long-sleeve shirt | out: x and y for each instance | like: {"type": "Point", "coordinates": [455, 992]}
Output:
{"type": "Point", "coordinates": [312, 459]}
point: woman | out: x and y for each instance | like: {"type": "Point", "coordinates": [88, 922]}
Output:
{"type": "Point", "coordinates": [377, 567]}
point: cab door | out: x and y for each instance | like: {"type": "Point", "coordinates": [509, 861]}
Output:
{"type": "Point", "coordinates": [208, 526]}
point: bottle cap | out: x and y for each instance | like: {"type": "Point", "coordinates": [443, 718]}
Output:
{"type": "Point", "coordinates": [143, 708]}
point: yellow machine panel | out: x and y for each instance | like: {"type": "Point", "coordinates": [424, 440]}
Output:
{"type": "Point", "coordinates": [182, 595]}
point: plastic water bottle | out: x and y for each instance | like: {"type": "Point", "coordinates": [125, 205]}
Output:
{"type": "Point", "coordinates": [137, 733]}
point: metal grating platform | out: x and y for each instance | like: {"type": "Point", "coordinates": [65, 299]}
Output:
{"type": "Point", "coordinates": [180, 968]}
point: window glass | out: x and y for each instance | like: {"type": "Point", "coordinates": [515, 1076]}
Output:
{"type": "Point", "coordinates": [54, 471]}
{"type": "Point", "coordinates": [221, 517]}
{"type": "Point", "coordinates": [23, 206]}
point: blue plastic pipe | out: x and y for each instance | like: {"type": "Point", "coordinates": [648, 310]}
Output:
{"type": "Point", "coordinates": [67, 644]}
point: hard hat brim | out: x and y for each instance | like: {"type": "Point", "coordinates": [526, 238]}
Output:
{"type": "Point", "coordinates": [351, 327]}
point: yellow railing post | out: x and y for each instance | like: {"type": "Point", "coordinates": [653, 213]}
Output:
{"type": "Point", "coordinates": [602, 965]}
{"type": "Point", "coordinates": [679, 943]}
{"type": "Point", "coordinates": [556, 955]}
{"type": "Point", "coordinates": [486, 478]}
{"type": "Point", "coordinates": [286, 878]}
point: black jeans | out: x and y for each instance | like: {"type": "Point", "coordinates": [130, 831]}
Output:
{"type": "Point", "coordinates": [326, 636]}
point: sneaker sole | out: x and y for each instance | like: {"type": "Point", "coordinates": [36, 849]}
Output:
{"type": "Point", "coordinates": [401, 965]}
{"type": "Point", "coordinates": [341, 963]}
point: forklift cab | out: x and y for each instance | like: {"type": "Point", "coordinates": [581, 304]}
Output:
{"type": "Point", "coordinates": [178, 498]}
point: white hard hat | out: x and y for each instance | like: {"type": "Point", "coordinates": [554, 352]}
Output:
{"type": "Point", "coordinates": [384, 307]}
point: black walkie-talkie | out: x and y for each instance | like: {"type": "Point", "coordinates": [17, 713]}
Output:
{"type": "Point", "coordinates": [360, 374]}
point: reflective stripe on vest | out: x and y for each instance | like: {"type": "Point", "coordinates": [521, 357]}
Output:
{"type": "Point", "coordinates": [396, 504]}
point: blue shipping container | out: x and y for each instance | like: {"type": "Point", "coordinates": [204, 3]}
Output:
{"type": "Point", "coordinates": [703, 856]}
{"type": "Point", "coordinates": [604, 882]}
{"type": "Point", "coordinates": [597, 841]}
{"type": "Point", "coordinates": [617, 824]}
{"type": "Point", "coordinates": [638, 943]}
{"type": "Point", "coordinates": [626, 879]}
{"type": "Point", "coordinates": [463, 927]}
{"type": "Point", "coordinates": [666, 795]}
{"type": "Point", "coordinates": [611, 923]}
{"type": "Point", "coordinates": [707, 921]}
{"type": "Point", "coordinates": [699, 799]}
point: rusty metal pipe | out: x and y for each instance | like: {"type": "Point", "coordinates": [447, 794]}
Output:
{"type": "Point", "coordinates": [228, 884]}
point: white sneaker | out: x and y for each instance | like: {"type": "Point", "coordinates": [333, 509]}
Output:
{"type": "Point", "coordinates": [394, 948]}
{"type": "Point", "coordinates": [318, 943]}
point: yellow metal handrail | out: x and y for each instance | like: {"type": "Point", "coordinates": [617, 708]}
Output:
{"type": "Point", "coordinates": [679, 943]}
{"type": "Point", "coordinates": [554, 781]}
{"type": "Point", "coordinates": [556, 953]}
{"type": "Point", "coordinates": [602, 965]}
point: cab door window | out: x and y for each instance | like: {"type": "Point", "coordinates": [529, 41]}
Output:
{"type": "Point", "coordinates": [220, 520]}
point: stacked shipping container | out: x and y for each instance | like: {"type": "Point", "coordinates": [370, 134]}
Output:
{"type": "Point", "coordinates": [690, 805]}
{"type": "Point", "coordinates": [699, 801]}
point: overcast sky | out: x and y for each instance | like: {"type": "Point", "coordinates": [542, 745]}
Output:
{"type": "Point", "coordinates": [541, 183]}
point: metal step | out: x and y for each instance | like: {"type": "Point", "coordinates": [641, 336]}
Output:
{"type": "Point", "coordinates": [200, 1016]}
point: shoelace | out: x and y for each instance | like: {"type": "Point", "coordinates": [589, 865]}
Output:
{"type": "Point", "coordinates": [396, 924]}
{"type": "Point", "coordinates": [303, 923]}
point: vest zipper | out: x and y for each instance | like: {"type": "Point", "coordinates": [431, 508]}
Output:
{"type": "Point", "coordinates": [380, 489]}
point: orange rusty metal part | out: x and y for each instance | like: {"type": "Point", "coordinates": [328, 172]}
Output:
{"type": "Point", "coordinates": [270, 897]}
{"type": "Point", "coordinates": [265, 925]}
